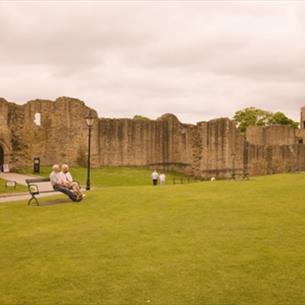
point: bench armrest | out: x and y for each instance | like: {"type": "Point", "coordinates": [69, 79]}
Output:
{"type": "Point", "coordinates": [33, 189]}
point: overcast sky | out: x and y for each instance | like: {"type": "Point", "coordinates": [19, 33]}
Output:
{"type": "Point", "coordinates": [199, 60]}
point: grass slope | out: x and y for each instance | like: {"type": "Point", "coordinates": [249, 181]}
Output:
{"type": "Point", "coordinates": [220, 242]}
{"type": "Point", "coordinates": [113, 176]}
{"type": "Point", "coordinates": [19, 188]}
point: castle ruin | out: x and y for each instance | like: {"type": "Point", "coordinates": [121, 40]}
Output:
{"type": "Point", "coordinates": [56, 132]}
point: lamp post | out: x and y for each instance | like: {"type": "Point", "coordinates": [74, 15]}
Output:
{"type": "Point", "coordinates": [233, 166]}
{"type": "Point", "coordinates": [89, 121]}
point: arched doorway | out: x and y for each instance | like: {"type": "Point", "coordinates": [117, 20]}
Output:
{"type": "Point", "coordinates": [1, 158]}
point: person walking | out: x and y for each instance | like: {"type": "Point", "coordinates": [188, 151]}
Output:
{"type": "Point", "coordinates": [154, 177]}
{"type": "Point", "coordinates": [162, 178]}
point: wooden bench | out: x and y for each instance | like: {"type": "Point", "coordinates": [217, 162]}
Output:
{"type": "Point", "coordinates": [34, 189]}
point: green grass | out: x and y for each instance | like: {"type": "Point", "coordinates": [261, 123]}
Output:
{"type": "Point", "coordinates": [220, 242]}
{"type": "Point", "coordinates": [114, 176]}
{"type": "Point", "coordinates": [4, 189]}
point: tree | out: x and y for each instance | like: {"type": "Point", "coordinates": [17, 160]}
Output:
{"type": "Point", "coordinates": [279, 118]}
{"type": "Point", "coordinates": [253, 116]}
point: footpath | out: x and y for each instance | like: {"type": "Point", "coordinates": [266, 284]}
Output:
{"type": "Point", "coordinates": [23, 196]}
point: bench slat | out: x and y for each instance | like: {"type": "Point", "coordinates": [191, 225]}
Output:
{"type": "Point", "coordinates": [37, 180]}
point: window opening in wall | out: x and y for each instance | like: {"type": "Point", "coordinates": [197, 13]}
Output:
{"type": "Point", "coordinates": [37, 119]}
{"type": "Point", "coordinates": [304, 125]}
{"type": "Point", "coordinates": [300, 141]}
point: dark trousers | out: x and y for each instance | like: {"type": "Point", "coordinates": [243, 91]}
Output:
{"type": "Point", "coordinates": [66, 191]}
{"type": "Point", "coordinates": [155, 181]}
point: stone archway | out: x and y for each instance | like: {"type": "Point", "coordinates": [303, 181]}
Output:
{"type": "Point", "coordinates": [1, 158]}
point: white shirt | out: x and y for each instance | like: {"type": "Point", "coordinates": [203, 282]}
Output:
{"type": "Point", "coordinates": [55, 178]}
{"type": "Point", "coordinates": [154, 176]}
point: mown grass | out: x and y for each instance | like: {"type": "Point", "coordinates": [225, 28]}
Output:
{"type": "Point", "coordinates": [114, 176]}
{"type": "Point", "coordinates": [9, 189]}
{"type": "Point", "coordinates": [222, 242]}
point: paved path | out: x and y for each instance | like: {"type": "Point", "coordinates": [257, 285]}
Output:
{"type": "Point", "coordinates": [20, 179]}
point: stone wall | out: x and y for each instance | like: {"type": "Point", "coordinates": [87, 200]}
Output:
{"type": "Point", "coordinates": [5, 132]}
{"type": "Point", "coordinates": [222, 149]}
{"type": "Point", "coordinates": [275, 149]}
{"type": "Point", "coordinates": [60, 137]}
{"type": "Point", "coordinates": [271, 135]}
{"type": "Point", "coordinates": [302, 122]}
{"type": "Point", "coordinates": [271, 159]}
{"type": "Point", "coordinates": [208, 149]}
{"type": "Point", "coordinates": [158, 143]}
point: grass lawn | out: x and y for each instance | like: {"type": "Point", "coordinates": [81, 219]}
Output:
{"type": "Point", "coordinates": [113, 176]}
{"type": "Point", "coordinates": [4, 189]}
{"type": "Point", "coordinates": [221, 242]}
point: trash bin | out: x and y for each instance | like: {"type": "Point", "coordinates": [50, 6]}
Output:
{"type": "Point", "coordinates": [36, 165]}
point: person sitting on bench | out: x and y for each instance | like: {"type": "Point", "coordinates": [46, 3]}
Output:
{"type": "Point", "coordinates": [58, 185]}
{"type": "Point", "coordinates": [69, 183]}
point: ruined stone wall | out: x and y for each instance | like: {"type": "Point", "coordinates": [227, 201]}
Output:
{"type": "Point", "coordinates": [265, 160]}
{"type": "Point", "coordinates": [302, 121]}
{"type": "Point", "coordinates": [132, 142]}
{"type": "Point", "coordinates": [60, 137]}
{"type": "Point", "coordinates": [161, 143]}
{"type": "Point", "coordinates": [201, 150]}
{"type": "Point", "coordinates": [271, 135]}
{"type": "Point", "coordinates": [214, 148]}
{"type": "Point", "coordinates": [222, 153]}
{"type": "Point", "coordinates": [275, 149]}
{"type": "Point", "coordinates": [5, 132]}
{"type": "Point", "coordinates": [208, 149]}
{"type": "Point", "coordinates": [300, 136]}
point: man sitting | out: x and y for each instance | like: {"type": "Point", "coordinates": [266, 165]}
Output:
{"type": "Point", "coordinates": [58, 183]}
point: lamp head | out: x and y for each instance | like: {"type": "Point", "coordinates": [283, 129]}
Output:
{"type": "Point", "coordinates": [89, 119]}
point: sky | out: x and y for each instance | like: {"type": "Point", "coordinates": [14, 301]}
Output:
{"type": "Point", "coordinates": [197, 59]}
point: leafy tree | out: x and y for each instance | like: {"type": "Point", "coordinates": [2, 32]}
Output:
{"type": "Point", "coordinates": [281, 119]}
{"type": "Point", "coordinates": [253, 116]}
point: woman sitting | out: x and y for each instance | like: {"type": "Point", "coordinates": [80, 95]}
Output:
{"type": "Point", "coordinates": [68, 182]}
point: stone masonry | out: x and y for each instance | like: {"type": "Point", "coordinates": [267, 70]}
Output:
{"type": "Point", "coordinates": [208, 149]}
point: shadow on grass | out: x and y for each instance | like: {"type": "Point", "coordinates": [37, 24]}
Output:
{"type": "Point", "coordinates": [56, 201]}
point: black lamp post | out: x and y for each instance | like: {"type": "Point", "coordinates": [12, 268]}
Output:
{"type": "Point", "coordinates": [233, 166]}
{"type": "Point", "coordinates": [89, 121]}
